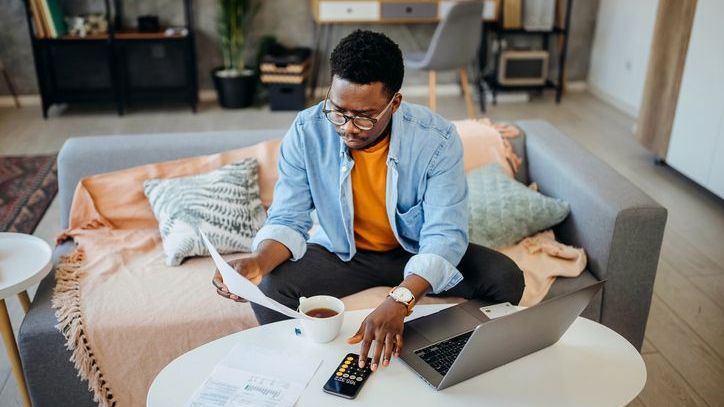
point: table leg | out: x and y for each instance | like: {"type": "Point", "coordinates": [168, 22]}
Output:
{"type": "Point", "coordinates": [12, 350]}
{"type": "Point", "coordinates": [24, 300]}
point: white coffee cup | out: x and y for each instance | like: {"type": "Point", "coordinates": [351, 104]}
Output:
{"type": "Point", "coordinates": [321, 330]}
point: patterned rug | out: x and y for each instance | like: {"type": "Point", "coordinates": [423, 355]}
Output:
{"type": "Point", "coordinates": [28, 185]}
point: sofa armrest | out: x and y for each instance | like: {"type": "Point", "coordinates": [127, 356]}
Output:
{"type": "Point", "coordinates": [620, 227]}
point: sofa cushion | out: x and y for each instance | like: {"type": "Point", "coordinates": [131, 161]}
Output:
{"type": "Point", "coordinates": [504, 211]}
{"type": "Point", "coordinates": [84, 156]}
{"type": "Point", "coordinates": [223, 203]}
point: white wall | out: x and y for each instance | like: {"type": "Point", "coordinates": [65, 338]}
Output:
{"type": "Point", "coordinates": [621, 45]}
{"type": "Point", "coordinates": [697, 134]}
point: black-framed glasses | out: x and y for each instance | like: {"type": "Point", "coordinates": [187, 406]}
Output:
{"type": "Point", "coordinates": [363, 123]}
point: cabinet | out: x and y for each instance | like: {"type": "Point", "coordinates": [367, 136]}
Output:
{"type": "Point", "coordinates": [696, 145]}
{"type": "Point", "coordinates": [120, 67]}
{"type": "Point", "coordinates": [555, 42]}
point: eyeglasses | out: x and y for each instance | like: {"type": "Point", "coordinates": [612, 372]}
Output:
{"type": "Point", "coordinates": [363, 123]}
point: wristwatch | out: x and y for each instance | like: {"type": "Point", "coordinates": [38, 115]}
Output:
{"type": "Point", "coordinates": [404, 296]}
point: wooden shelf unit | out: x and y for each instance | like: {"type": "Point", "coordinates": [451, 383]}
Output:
{"type": "Point", "coordinates": [120, 66]}
{"type": "Point", "coordinates": [556, 37]}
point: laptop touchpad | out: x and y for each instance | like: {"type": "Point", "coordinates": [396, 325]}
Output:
{"type": "Point", "coordinates": [444, 324]}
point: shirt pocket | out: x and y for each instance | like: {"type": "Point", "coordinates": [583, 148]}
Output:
{"type": "Point", "coordinates": [409, 222]}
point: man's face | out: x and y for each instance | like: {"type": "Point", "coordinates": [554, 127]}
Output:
{"type": "Point", "coordinates": [368, 100]}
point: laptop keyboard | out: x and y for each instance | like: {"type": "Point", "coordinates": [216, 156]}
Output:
{"type": "Point", "coordinates": [440, 356]}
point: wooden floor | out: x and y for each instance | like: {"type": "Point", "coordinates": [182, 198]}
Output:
{"type": "Point", "coordinates": [684, 346]}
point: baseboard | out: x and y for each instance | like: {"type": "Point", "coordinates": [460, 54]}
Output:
{"type": "Point", "coordinates": [614, 101]}
{"type": "Point", "coordinates": [453, 89]}
{"type": "Point", "coordinates": [209, 95]}
{"type": "Point", "coordinates": [576, 86]}
{"type": "Point", "coordinates": [25, 100]}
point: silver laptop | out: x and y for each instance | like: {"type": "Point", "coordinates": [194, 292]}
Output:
{"type": "Point", "coordinates": [460, 342]}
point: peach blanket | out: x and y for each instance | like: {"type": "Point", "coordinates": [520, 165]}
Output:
{"type": "Point", "coordinates": [125, 315]}
{"type": "Point", "coordinates": [123, 312]}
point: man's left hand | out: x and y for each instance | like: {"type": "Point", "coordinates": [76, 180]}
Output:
{"type": "Point", "coordinates": [383, 327]}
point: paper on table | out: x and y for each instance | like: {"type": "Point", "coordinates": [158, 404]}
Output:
{"type": "Point", "coordinates": [256, 376]}
{"type": "Point", "coordinates": [244, 288]}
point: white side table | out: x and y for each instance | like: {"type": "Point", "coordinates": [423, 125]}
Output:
{"type": "Point", "coordinates": [24, 261]}
{"type": "Point", "coordinates": [590, 366]}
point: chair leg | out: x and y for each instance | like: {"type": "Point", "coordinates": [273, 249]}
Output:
{"type": "Point", "coordinates": [431, 91]}
{"type": "Point", "coordinates": [10, 85]}
{"type": "Point", "coordinates": [466, 92]}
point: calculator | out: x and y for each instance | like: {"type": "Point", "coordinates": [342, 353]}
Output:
{"type": "Point", "coordinates": [348, 378]}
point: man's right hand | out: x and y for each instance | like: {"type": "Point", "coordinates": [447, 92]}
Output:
{"type": "Point", "coordinates": [248, 267]}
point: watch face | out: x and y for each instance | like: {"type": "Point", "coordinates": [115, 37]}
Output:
{"type": "Point", "coordinates": [402, 294]}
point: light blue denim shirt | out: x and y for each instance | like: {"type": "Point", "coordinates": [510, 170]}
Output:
{"type": "Point", "coordinates": [426, 197]}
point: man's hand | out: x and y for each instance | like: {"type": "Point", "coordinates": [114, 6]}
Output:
{"type": "Point", "coordinates": [383, 327]}
{"type": "Point", "coordinates": [248, 267]}
{"type": "Point", "coordinates": [269, 255]}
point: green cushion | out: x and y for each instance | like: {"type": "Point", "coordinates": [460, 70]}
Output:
{"type": "Point", "coordinates": [504, 211]}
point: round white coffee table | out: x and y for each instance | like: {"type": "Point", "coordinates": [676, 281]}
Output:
{"type": "Point", "coordinates": [24, 261]}
{"type": "Point", "coordinates": [591, 365]}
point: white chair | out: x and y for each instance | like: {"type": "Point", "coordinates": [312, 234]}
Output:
{"type": "Point", "coordinates": [454, 44]}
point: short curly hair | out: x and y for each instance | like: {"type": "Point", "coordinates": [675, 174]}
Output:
{"type": "Point", "coordinates": [366, 56]}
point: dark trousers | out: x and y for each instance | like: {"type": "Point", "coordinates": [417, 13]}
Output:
{"type": "Point", "coordinates": [487, 274]}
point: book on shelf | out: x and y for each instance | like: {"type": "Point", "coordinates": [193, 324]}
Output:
{"type": "Point", "coordinates": [38, 27]}
{"type": "Point", "coordinates": [47, 18]}
{"type": "Point", "coordinates": [42, 19]}
{"type": "Point", "coordinates": [56, 15]}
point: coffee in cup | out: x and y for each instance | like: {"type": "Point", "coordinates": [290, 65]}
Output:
{"type": "Point", "coordinates": [326, 314]}
{"type": "Point", "coordinates": [321, 313]}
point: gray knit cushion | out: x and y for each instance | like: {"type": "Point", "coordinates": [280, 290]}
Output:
{"type": "Point", "coordinates": [503, 211]}
{"type": "Point", "coordinates": [223, 203]}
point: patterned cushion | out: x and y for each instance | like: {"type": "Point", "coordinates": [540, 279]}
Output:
{"type": "Point", "coordinates": [504, 211]}
{"type": "Point", "coordinates": [224, 203]}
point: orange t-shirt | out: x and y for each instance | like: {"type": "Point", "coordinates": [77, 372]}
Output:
{"type": "Point", "coordinates": [372, 229]}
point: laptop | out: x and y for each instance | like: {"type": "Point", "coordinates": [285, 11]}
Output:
{"type": "Point", "coordinates": [460, 342]}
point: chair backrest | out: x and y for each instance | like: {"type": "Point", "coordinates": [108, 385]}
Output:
{"type": "Point", "coordinates": [457, 37]}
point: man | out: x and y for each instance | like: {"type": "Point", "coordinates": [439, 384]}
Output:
{"type": "Point", "coordinates": [386, 179]}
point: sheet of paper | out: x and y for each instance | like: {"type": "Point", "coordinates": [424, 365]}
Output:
{"type": "Point", "coordinates": [251, 376]}
{"type": "Point", "coordinates": [243, 287]}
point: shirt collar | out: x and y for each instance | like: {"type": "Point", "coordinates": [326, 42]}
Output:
{"type": "Point", "coordinates": [397, 125]}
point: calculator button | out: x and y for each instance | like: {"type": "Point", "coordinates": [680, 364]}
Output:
{"type": "Point", "coordinates": [341, 369]}
{"type": "Point", "coordinates": [345, 375]}
{"type": "Point", "coordinates": [339, 373]}
{"type": "Point", "coordinates": [352, 376]}
{"type": "Point", "coordinates": [359, 378]}
{"type": "Point", "coordinates": [350, 358]}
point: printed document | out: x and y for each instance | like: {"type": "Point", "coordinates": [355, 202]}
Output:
{"type": "Point", "coordinates": [255, 376]}
{"type": "Point", "coordinates": [244, 288]}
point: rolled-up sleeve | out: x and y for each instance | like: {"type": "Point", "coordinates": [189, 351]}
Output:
{"type": "Point", "coordinates": [289, 217]}
{"type": "Point", "coordinates": [444, 233]}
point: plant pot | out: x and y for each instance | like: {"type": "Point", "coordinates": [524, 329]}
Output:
{"type": "Point", "coordinates": [234, 89]}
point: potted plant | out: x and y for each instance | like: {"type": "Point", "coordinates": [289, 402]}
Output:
{"type": "Point", "coordinates": [235, 83]}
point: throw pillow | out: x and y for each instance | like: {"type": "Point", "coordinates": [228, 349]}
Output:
{"type": "Point", "coordinates": [483, 144]}
{"type": "Point", "coordinates": [504, 211]}
{"type": "Point", "coordinates": [224, 203]}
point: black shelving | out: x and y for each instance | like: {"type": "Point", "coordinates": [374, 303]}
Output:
{"type": "Point", "coordinates": [119, 67]}
{"type": "Point", "coordinates": [496, 32]}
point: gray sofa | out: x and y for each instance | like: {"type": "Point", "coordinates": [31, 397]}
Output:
{"type": "Point", "coordinates": [620, 227]}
